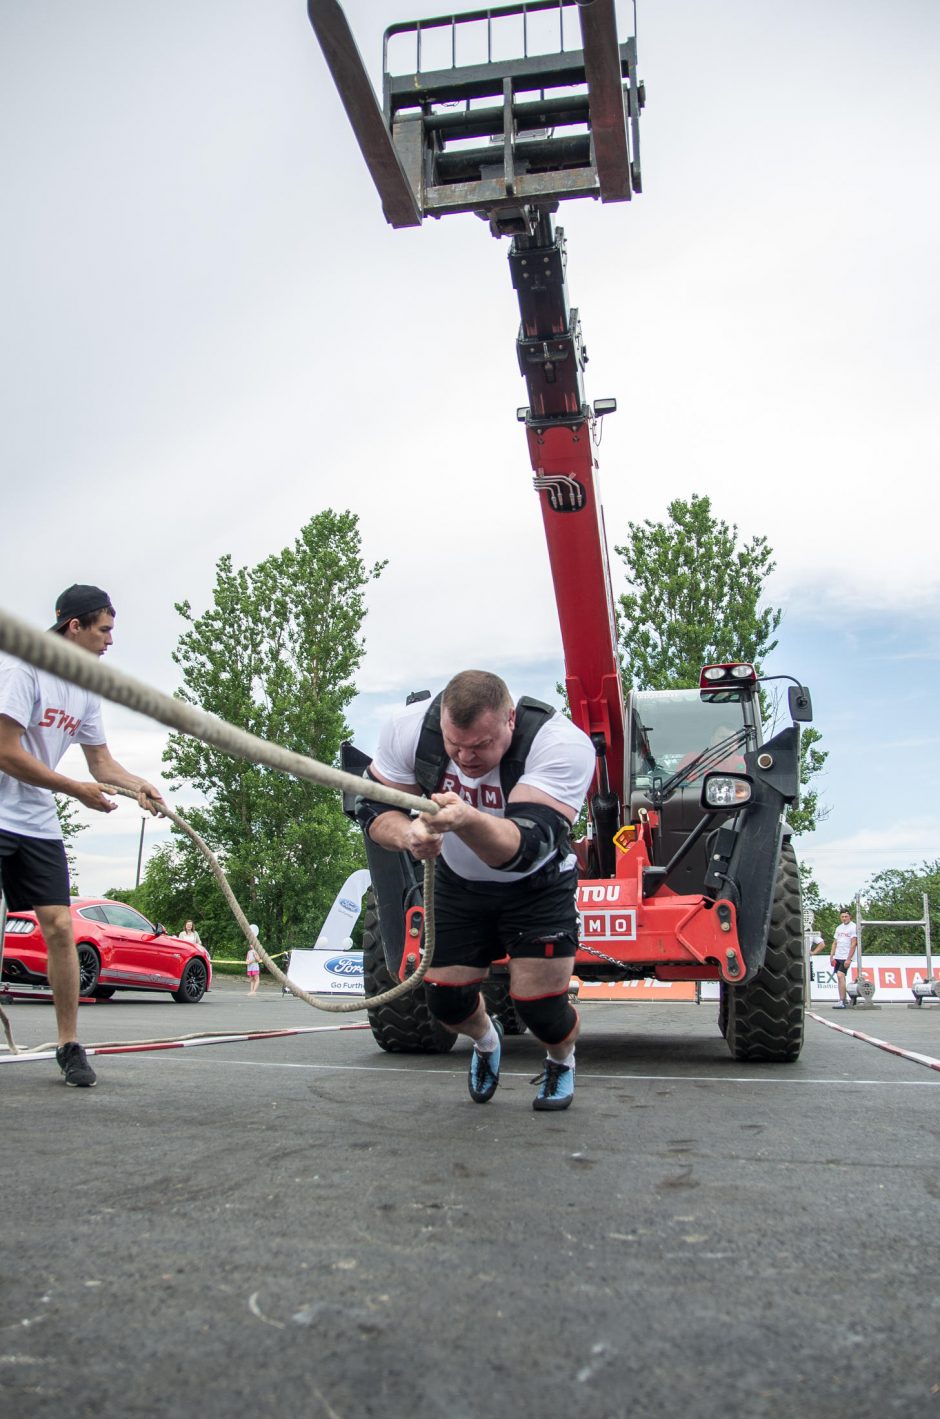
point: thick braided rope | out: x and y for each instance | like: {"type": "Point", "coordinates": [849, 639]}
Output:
{"type": "Point", "coordinates": [334, 1006]}
{"type": "Point", "coordinates": [57, 656]}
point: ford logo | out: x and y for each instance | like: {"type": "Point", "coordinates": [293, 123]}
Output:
{"type": "Point", "coordinates": [348, 906]}
{"type": "Point", "coordinates": [343, 966]}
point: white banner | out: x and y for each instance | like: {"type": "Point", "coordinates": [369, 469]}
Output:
{"type": "Point", "coordinates": [332, 968]}
{"type": "Point", "coordinates": [892, 976]}
{"type": "Point", "coordinates": [344, 913]}
{"type": "Point", "coordinates": [327, 972]}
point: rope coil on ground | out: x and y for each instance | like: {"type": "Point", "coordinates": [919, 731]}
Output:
{"type": "Point", "coordinates": [57, 656]}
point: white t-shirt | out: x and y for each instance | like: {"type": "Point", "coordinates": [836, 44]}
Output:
{"type": "Point", "coordinates": [560, 762]}
{"type": "Point", "coordinates": [842, 943]}
{"type": "Point", "coordinates": [55, 714]}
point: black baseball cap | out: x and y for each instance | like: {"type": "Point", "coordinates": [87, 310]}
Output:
{"type": "Point", "coordinates": [79, 601]}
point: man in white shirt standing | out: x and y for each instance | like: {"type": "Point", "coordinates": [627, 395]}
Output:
{"type": "Point", "coordinates": [41, 715]}
{"type": "Point", "coordinates": [505, 875]}
{"type": "Point", "coordinates": [844, 945]}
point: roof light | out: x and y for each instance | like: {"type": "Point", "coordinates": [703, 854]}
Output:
{"type": "Point", "coordinates": [725, 674]}
{"type": "Point", "coordinates": [725, 791]}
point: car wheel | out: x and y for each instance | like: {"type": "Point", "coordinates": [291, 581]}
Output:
{"type": "Point", "coordinates": [103, 992]}
{"type": "Point", "coordinates": [193, 983]}
{"type": "Point", "coordinates": [89, 968]}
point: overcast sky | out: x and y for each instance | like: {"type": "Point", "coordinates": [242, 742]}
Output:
{"type": "Point", "coordinates": [211, 334]}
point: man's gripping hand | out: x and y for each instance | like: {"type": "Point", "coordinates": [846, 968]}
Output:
{"type": "Point", "coordinates": [420, 841]}
{"type": "Point", "coordinates": [455, 813]}
{"type": "Point", "coordinates": [148, 797]}
{"type": "Point", "coordinates": [93, 796]}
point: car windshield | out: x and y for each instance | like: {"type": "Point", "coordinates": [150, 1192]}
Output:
{"type": "Point", "coordinates": [670, 728]}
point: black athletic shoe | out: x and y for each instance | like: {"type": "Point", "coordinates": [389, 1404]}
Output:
{"type": "Point", "coordinates": [556, 1086]}
{"type": "Point", "coordinates": [73, 1062]}
{"type": "Point", "coordinates": [484, 1071]}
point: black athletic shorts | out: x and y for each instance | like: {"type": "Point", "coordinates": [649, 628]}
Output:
{"type": "Point", "coordinates": [840, 967]}
{"type": "Point", "coordinates": [477, 923]}
{"type": "Point", "coordinates": [34, 872]}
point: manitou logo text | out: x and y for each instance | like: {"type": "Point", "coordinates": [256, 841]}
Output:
{"type": "Point", "coordinates": [602, 918]}
{"type": "Point", "coordinates": [59, 719]}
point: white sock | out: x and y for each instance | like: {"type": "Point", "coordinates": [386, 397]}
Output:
{"type": "Point", "coordinates": [488, 1042]}
{"type": "Point", "coordinates": [568, 1060]}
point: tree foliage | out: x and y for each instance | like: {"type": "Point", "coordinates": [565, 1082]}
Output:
{"type": "Point", "coordinates": [695, 597]}
{"type": "Point", "coordinates": [695, 600]}
{"type": "Point", "coordinates": [274, 654]}
{"type": "Point", "coordinates": [824, 915]}
{"type": "Point", "coordinates": [70, 827]}
{"type": "Point", "coordinates": [897, 894]}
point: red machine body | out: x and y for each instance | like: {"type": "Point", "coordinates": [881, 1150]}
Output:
{"type": "Point", "coordinates": [686, 869]}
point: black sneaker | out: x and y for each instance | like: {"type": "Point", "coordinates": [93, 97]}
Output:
{"type": "Point", "coordinates": [73, 1062]}
{"type": "Point", "coordinates": [484, 1071]}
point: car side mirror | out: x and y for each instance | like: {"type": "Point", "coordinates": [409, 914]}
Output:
{"type": "Point", "coordinates": [801, 706]}
{"type": "Point", "coordinates": [159, 929]}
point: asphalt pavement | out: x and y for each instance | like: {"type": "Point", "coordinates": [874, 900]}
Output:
{"type": "Point", "coordinates": [307, 1225]}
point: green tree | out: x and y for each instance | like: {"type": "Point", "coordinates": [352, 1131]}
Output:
{"type": "Point", "coordinates": [897, 894]}
{"type": "Point", "coordinates": [695, 600]}
{"type": "Point", "coordinates": [274, 654]}
{"type": "Point", "coordinates": [823, 914]}
{"type": "Point", "coordinates": [67, 811]}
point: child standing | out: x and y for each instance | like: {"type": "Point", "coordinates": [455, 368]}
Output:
{"type": "Point", "coordinates": [253, 963]}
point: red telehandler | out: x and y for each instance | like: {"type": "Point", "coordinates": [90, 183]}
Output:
{"type": "Point", "coordinates": [687, 871]}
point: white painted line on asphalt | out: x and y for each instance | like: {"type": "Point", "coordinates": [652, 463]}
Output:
{"type": "Point", "coordinates": [585, 1077]}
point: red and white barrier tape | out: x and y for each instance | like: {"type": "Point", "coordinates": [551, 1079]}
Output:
{"type": "Point", "coordinates": [184, 1042]}
{"type": "Point", "coordinates": [925, 1059]}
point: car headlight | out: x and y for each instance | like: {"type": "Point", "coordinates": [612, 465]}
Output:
{"type": "Point", "coordinates": [725, 791]}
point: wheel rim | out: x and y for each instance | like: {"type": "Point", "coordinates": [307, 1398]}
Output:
{"type": "Point", "coordinates": [194, 980]}
{"type": "Point", "coordinates": [87, 970]}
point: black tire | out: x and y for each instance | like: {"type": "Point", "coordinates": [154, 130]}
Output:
{"type": "Point", "coordinates": [103, 992]}
{"type": "Point", "coordinates": [193, 983]}
{"type": "Point", "coordinates": [764, 1018]}
{"type": "Point", "coordinates": [499, 1005]}
{"type": "Point", "coordinates": [89, 968]}
{"type": "Point", "coordinates": [405, 1025]}
{"type": "Point", "coordinates": [723, 992]}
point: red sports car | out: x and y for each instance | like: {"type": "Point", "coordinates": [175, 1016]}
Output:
{"type": "Point", "coordinates": [118, 949]}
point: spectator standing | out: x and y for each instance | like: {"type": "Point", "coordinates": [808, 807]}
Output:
{"type": "Point", "coordinates": [41, 715]}
{"type": "Point", "coordinates": [189, 933]}
{"type": "Point", "coordinates": [844, 946]}
{"type": "Point", "coordinates": [253, 965]}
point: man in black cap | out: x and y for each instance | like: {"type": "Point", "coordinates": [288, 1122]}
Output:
{"type": "Point", "coordinates": [40, 716]}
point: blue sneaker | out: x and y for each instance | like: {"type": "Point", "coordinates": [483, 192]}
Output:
{"type": "Point", "coordinates": [484, 1070]}
{"type": "Point", "coordinates": [556, 1086]}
